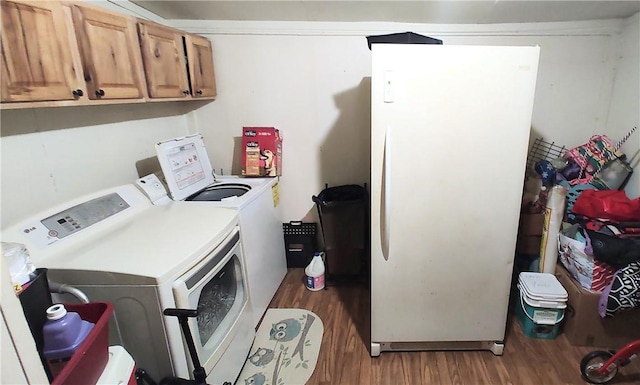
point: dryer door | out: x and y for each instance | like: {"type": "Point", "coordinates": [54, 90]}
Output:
{"type": "Point", "coordinates": [217, 288]}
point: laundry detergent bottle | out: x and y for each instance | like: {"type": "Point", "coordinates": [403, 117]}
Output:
{"type": "Point", "coordinates": [315, 272]}
{"type": "Point", "coordinates": [63, 333]}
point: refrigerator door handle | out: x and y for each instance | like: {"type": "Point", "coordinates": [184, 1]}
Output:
{"type": "Point", "coordinates": [385, 217]}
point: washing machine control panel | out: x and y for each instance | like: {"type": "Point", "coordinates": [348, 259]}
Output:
{"type": "Point", "coordinates": [84, 215]}
{"type": "Point", "coordinates": [79, 215]}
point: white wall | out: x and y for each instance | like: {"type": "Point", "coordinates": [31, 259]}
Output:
{"type": "Point", "coordinates": [52, 155]}
{"type": "Point", "coordinates": [316, 90]}
{"type": "Point", "coordinates": [624, 111]}
{"type": "Point", "coordinates": [312, 81]}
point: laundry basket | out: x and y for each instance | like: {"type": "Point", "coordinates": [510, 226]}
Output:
{"type": "Point", "coordinates": [299, 242]}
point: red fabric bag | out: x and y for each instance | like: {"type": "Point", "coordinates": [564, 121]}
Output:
{"type": "Point", "coordinates": [612, 205]}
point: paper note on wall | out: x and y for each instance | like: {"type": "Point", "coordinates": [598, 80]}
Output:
{"type": "Point", "coordinates": [275, 192]}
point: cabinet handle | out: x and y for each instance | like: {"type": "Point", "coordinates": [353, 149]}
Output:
{"type": "Point", "coordinates": [100, 92]}
{"type": "Point", "coordinates": [199, 92]}
{"type": "Point", "coordinates": [186, 92]}
{"type": "Point", "coordinates": [77, 93]}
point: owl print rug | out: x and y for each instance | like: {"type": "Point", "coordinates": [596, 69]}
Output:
{"type": "Point", "coordinates": [285, 350]}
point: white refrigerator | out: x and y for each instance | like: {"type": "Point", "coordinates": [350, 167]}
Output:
{"type": "Point", "coordinates": [450, 132]}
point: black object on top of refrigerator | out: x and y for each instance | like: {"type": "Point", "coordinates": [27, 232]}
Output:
{"type": "Point", "coordinates": [402, 38]}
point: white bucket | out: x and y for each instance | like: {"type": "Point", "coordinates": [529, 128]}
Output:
{"type": "Point", "coordinates": [542, 304]}
{"type": "Point", "coordinates": [544, 288]}
{"type": "Point", "coordinates": [315, 273]}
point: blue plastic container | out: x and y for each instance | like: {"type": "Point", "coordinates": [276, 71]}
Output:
{"type": "Point", "coordinates": [535, 320]}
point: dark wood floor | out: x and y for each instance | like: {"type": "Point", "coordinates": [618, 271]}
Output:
{"type": "Point", "coordinates": [344, 356]}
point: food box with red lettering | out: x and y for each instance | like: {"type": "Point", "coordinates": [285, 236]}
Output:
{"type": "Point", "coordinates": [261, 151]}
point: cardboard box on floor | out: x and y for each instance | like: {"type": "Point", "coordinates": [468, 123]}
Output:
{"type": "Point", "coordinates": [529, 234]}
{"type": "Point", "coordinates": [531, 224]}
{"type": "Point", "coordinates": [583, 326]}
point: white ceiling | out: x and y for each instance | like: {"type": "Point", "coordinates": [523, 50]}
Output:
{"type": "Point", "coordinates": [436, 12]}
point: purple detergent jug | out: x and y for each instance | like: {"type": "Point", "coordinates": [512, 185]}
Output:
{"type": "Point", "coordinates": [63, 333]}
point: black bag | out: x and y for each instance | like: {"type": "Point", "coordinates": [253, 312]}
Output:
{"type": "Point", "coordinates": [617, 252]}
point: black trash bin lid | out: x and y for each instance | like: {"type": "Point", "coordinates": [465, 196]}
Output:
{"type": "Point", "coordinates": [345, 193]}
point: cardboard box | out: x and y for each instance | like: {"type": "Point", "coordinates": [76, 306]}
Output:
{"type": "Point", "coordinates": [531, 224]}
{"type": "Point", "coordinates": [583, 325]}
{"type": "Point", "coordinates": [528, 245]}
{"type": "Point", "coordinates": [529, 234]}
{"type": "Point", "coordinates": [261, 151]}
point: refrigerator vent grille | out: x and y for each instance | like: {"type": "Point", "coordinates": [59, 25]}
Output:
{"type": "Point", "coordinates": [444, 345]}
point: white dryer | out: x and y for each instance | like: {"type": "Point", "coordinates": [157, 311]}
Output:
{"type": "Point", "coordinates": [189, 176]}
{"type": "Point", "coordinates": [117, 247]}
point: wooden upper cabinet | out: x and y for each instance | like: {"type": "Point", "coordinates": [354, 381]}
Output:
{"type": "Point", "coordinates": [63, 53]}
{"type": "Point", "coordinates": [110, 54]}
{"type": "Point", "coordinates": [201, 73]}
{"type": "Point", "coordinates": [164, 63]}
{"type": "Point", "coordinates": [36, 53]}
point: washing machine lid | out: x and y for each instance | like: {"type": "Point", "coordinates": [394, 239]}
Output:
{"type": "Point", "coordinates": [160, 242]}
{"type": "Point", "coordinates": [185, 165]}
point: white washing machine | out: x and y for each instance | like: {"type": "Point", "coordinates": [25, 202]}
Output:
{"type": "Point", "coordinates": [189, 176]}
{"type": "Point", "coordinates": [116, 246]}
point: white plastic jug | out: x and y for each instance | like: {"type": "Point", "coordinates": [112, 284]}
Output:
{"type": "Point", "coordinates": [315, 272]}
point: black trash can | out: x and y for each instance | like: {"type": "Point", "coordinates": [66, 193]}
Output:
{"type": "Point", "coordinates": [35, 299]}
{"type": "Point", "coordinates": [344, 220]}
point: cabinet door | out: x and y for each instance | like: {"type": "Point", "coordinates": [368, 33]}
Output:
{"type": "Point", "coordinates": [200, 56]}
{"type": "Point", "coordinates": [110, 54]}
{"type": "Point", "coordinates": [165, 68]}
{"type": "Point", "coordinates": [36, 53]}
